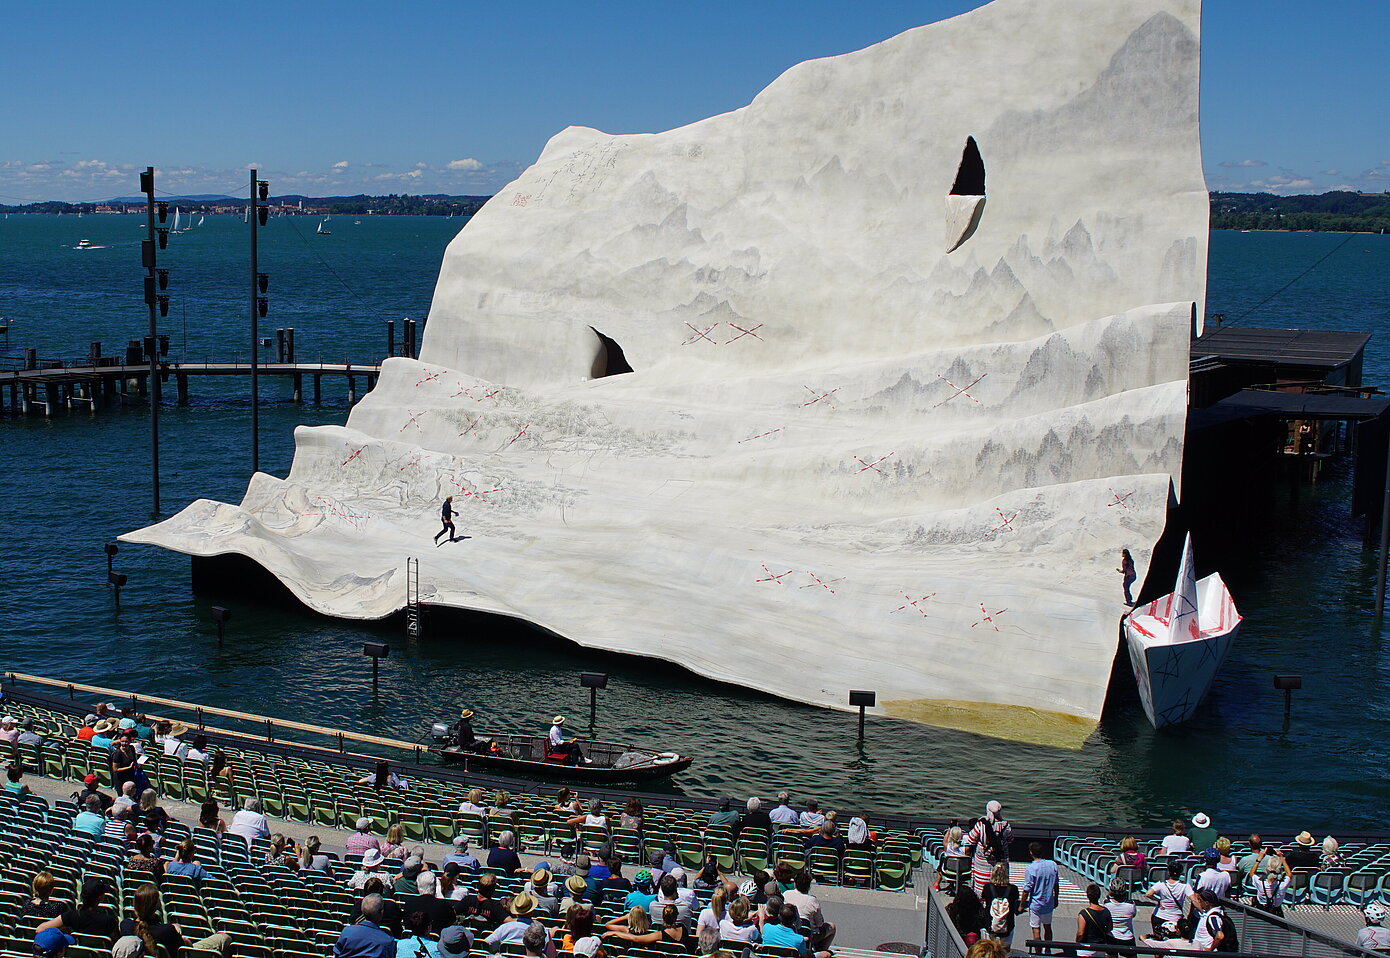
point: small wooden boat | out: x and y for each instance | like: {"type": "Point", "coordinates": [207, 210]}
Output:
{"type": "Point", "coordinates": [609, 762]}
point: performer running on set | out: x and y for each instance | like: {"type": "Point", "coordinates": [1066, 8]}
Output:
{"type": "Point", "coordinates": [446, 515]}
{"type": "Point", "coordinates": [559, 745]}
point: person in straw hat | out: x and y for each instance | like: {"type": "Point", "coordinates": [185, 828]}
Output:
{"type": "Point", "coordinates": [1302, 855]}
{"type": "Point", "coordinates": [173, 740]}
{"type": "Point", "coordinates": [560, 745]}
{"type": "Point", "coordinates": [464, 737]}
{"type": "Point", "coordinates": [102, 733]}
{"type": "Point", "coordinates": [520, 909]}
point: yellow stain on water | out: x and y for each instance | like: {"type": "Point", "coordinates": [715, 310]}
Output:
{"type": "Point", "coordinates": [1014, 723]}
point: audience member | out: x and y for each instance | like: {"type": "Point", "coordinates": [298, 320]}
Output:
{"type": "Point", "coordinates": [481, 908]}
{"type": "Point", "coordinates": [1122, 911]}
{"type": "Point", "coordinates": [1169, 897]}
{"type": "Point", "coordinates": [90, 819]}
{"type": "Point", "coordinates": [1039, 893]}
{"type": "Point", "coordinates": [504, 857]}
{"type": "Point", "coordinates": [756, 817]}
{"type": "Point", "coordinates": [520, 909]}
{"type": "Point", "coordinates": [40, 900]}
{"type": "Point", "coordinates": [808, 907]}
{"type": "Point", "coordinates": [724, 816]}
{"type": "Point", "coordinates": [989, 841]}
{"type": "Point", "coordinates": [1270, 885]}
{"type": "Point", "coordinates": [472, 805]}
{"type": "Point", "coordinates": [784, 814]}
{"type": "Point", "coordinates": [418, 941]}
{"type": "Point", "coordinates": [311, 858]}
{"type": "Point", "coordinates": [966, 915]}
{"type": "Point", "coordinates": [149, 926]}
{"type": "Point", "coordinates": [249, 823]}
{"type": "Point", "coordinates": [1093, 923]}
{"type": "Point", "coordinates": [459, 856]}
{"type": "Point", "coordinates": [1129, 854]}
{"type": "Point", "coordinates": [365, 938]}
{"type": "Point", "coordinates": [1000, 904]}
{"type": "Point", "coordinates": [89, 917]}
{"type": "Point", "coordinates": [362, 840]}
{"type": "Point", "coordinates": [370, 868]}
{"type": "Point", "coordinates": [1302, 855]}
{"type": "Point", "coordinates": [1213, 878]}
{"type": "Point", "coordinates": [210, 816]}
{"type": "Point", "coordinates": [1374, 937]}
{"type": "Point", "coordinates": [1178, 842]}
{"type": "Point", "coordinates": [828, 838]}
{"type": "Point", "coordinates": [186, 865]}
{"type": "Point", "coordinates": [15, 784]}
{"type": "Point", "coordinates": [632, 815]}
{"type": "Point", "coordinates": [634, 928]}
{"type": "Point", "coordinates": [738, 924]}
{"type": "Point", "coordinates": [1202, 835]}
{"type": "Point", "coordinates": [440, 912]}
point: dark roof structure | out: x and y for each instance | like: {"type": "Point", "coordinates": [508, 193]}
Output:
{"type": "Point", "coordinates": [1319, 348]}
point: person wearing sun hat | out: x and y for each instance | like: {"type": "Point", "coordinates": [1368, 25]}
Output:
{"type": "Point", "coordinates": [1201, 833]}
{"type": "Point", "coordinates": [8, 731]}
{"type": "Point", "coordinates": [102, 734]}
{"type": "Point", "coordinates": [561, 745]}
{"type": "Point", "coordinates": [1302, 854]}
{"type": "Point", "coordinates": [173, 740]}
{"type": "Point", "coordinates": [464, 736]}
{"type": "Point", "coordinates": [373, 866]}
{"type": "Point", "coordinates": [520, 909]}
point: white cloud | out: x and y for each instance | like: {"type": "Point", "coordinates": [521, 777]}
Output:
{"type": "Point", "coordinates": [340, 165]}
{"type": "Point", "coordinates": [1331, 173]}
{"type": "Point", "coordinates": [467, 164]}
{"type": "Point", "coordinates": [1240, 163]}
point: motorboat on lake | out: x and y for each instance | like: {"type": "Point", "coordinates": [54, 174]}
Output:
{"type": "Point", "coordinates": [609, 762]}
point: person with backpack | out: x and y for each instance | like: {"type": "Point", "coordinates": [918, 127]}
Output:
{"type": "Point", "coordinates": [988, 845]}
{"type": "Point", "coordinates": [1093, 924]}
{"type": "Point", "coordinates": [1214, 931]}
{"type": "Point", "coordinates": [1000, 903]}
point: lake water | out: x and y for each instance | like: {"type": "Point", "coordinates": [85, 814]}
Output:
{"type": "Point", "coordinates": [72, 483]}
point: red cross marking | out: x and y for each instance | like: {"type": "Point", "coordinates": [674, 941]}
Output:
{"type": "Point", "coordinates": [1119, 500]}
{"type": "Point", "coordinates": [354, 518]}
{"type": "Point", "coordinates": [468, 391]}
{"type": "Point", "coordinates": [519, 433]}
{"type": "Point", "coordinates": [429, 379]}
{"type": "Point", "coordinates": [414, 461]}
{"type": "Point", "coordinates": [1004, 524]}
{"type": "Point", "coordinates": [760, 435]}
{"type": "Point", "coordinates": [774, 576]}
{"type": "Point", "coordinates": [481, 496]}
{"type": "Point", "coordinates": [700, 334]}
{"type": "Point", "coordinates": [871, 465]}
{"type": "Point", "coordinates": [911, 603]}
{"type": "Point", "coordinates": [414, 420]}
{"type": "Point", "coordinates": [959, 390]}
{"type": "Point", "coordinates": [472, 424]}
{"type": "Point", "coordinates": [988, 617]}
{"type": "Point", "coordinates": [823, 583]}
{"type": "Point", "coordinates": [355, 453]}
{"type": "Point", "coordinates": [817, 397]}
{"type": "Point", "coordinates": [745, 332]}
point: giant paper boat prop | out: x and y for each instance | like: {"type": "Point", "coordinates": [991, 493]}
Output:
{"type": "Point", "coordinates": [1177, 643]}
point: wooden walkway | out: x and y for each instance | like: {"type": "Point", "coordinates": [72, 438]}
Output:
{"type": "Point", "coordinates": [87, 388]}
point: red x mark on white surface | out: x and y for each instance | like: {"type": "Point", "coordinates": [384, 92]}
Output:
{"type": "Point", "coordinates": [911, 603]}
{"type": "Point", "coordinates": [775, 576]}
{"type": "Point", "coordinates": [959, 390]}
{"type": "Point", "coordinates": [1120, 500]}
{"type": "Point", "coordinates": [700, 334]}
{"type": "Point", "coordinates": [744, 332]}
{"type": "Point", "coordinates": [823, 583]}
{"type": "Point", "coordinates": [429, 379]}
{"type": "Point", "coordinates": [414, 420]}
{"type": "Point", "coordinates": [817, 397]}
{"type": "Point", "coordinates": [988, 617]}
{"type": "Point", "coordinates": [871, 465]}
{"type": "Point", "coordinates": [355, 453]}
{"type": "Point", "coordinates": [1004, 525]}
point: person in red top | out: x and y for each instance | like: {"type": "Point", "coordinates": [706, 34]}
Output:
{"type": "Point", "coordinates": [88, 729]}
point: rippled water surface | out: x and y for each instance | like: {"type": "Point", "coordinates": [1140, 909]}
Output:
{"type": "Point", "coordinates": [72, 483]}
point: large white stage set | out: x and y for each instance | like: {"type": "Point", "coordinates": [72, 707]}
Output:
{"type": "Point", "coordinates": [909, 340]}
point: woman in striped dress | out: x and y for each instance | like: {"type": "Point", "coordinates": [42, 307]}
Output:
{"type": "Point", "coordinates": [988, 843]}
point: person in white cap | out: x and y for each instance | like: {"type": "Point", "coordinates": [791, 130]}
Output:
{"type": "Point", "coordinates": [560, 745]}
{"type": "Point", "coordinates": [362, 841]}
{"type": "Point", "coordinates": [459, 856]}
{"type": "Point", "coordinates": [370, 868]}
{"type": "Point", "coordinates": [988, 844]}
{"type": "Point", "coordinates": [8, 732]}
{"type": "Point", "coordinates": [1203, 836]}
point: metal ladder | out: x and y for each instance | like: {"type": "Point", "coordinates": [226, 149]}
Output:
{"type": "Point", "coordinates": [412, 597]}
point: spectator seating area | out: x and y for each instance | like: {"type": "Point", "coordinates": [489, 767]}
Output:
{"type": "Point", "coordinates": [1364, 876]}
{"type": "Point", "coordinates": [322, 792]}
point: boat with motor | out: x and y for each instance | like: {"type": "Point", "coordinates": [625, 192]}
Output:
{"type": "Point", "coordinates": [87, 244]}
{"type": "Point", "coordinates": [529, 755]}
{"type": "Point", "coordinates": [1178, 642]}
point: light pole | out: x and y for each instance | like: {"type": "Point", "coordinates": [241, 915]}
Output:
{"type": "Point", "coordinates": [593, 681]}
{"type": "Point", "coordinates": [259, 284]}
{"type": "Point", "coordinates": [153, 299]}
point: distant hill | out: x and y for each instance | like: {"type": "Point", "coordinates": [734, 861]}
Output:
{"type": "Point", "coordinates": [1338, 211]}
{"type": "Point", "coordinates": [393, 204]}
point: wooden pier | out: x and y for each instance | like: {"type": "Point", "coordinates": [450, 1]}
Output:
{"type": "Point", "coordinates": [87, 387]}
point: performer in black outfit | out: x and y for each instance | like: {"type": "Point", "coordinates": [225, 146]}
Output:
{"type": "Point", "coordinates": [446, 515]}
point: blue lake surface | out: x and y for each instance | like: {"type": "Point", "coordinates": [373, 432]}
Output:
{"type": "Point", "coordinates": [72, 483]}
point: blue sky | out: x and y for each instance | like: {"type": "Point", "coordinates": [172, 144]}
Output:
{"type": "Point", "coordinates": [458, 97]}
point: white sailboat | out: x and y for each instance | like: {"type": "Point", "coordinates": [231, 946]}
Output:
{"type": "Point", "coordinates": [322, 231]}
{"type": "Point", "coordinates": [1178, 642]}
{"type": "Point", "coordinates": [175, 227]}
{"type": "Point", "coordinates": [200, 219]}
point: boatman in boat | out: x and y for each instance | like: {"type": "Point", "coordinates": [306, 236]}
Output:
{"type": "Point", "coordinates": [463, 734]}
{"type": "Point", "coordinates": [560, 745]}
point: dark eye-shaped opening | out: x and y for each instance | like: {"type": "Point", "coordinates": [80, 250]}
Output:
{"type": "Point", "coordinates": [608, 358]}
{"type": "Point", "coordinates": [970, 177]}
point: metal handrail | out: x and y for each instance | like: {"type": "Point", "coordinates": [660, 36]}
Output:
{"type": "Point", "coordinates": [200, 710]}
